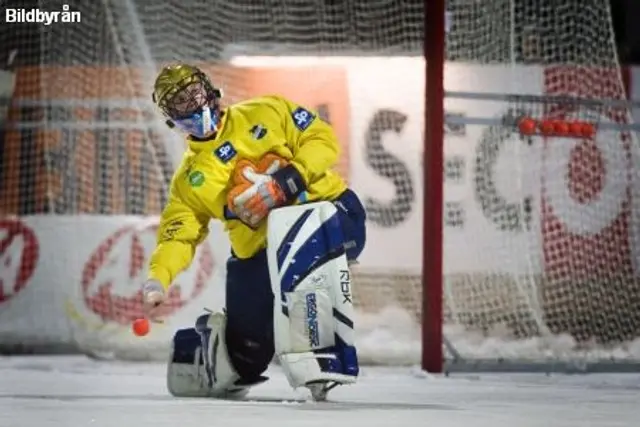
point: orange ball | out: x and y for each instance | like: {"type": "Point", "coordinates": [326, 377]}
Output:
{"type": "Point", "coordinates": [141, 327]}
{"type": "Point", "coordinates": [561, 128]}
{"type": "Point", "coordinates": [588, 130]}
{"type": "Point", "coordinates": [575, 129]}
{"type": "Point", "coordinates": [527, 126]}
{"type": "Point", "coordinates": [547, 127]}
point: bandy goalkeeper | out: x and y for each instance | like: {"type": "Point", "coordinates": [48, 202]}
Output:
{"type": "Point", "coordinates": [263, 168]}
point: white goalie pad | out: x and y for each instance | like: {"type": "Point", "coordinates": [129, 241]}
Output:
{"type": "Point", "coordinates": [200, 365]}
{"type": "Point", "coordinates": [313, 309]}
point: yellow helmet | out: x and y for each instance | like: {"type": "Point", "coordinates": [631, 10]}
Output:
{"type": "Point", "coordinates": [178, 78]}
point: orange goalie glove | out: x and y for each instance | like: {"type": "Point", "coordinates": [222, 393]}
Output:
{"type": "Point", "coordinates": [258, 188]}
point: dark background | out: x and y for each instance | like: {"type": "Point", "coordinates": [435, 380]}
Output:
{"type": "Point", "coordinates": [199, 29]}
{"type": "Point", "coordinates": [146, 33]}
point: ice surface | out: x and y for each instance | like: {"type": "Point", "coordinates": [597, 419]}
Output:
{"type": "Point", "coordinates": [76, 392]}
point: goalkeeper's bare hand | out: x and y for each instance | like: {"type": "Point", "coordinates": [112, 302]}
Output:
{"type": "Point", "coordinates": [153, 298]}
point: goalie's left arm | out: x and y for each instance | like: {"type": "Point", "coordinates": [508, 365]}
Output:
{"type": "Point", "coordinates": [315, 151]}
{"type": "Point", "coordinates": [312, 141]}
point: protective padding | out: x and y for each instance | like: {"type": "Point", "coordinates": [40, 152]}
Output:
{"type": "Point", "coordinates": [200, 365]}
{"type": "Point", "coordinates": [311, 282]}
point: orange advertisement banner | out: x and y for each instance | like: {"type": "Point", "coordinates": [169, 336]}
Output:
{"type": "Point", "coordinates": [79, 138]}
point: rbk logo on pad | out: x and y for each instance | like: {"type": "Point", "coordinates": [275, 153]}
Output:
{"type": "Point", "coordinates": [302, 118]}
{"type": "Point", "coordinates": [225, 152]}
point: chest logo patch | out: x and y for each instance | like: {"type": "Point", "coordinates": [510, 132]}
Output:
{"type": "Point", "coordinates": [258, 132]}
{"type": "Point", "coordinates": [196, 178]}
{"type": "Point", "coordinates": [225, 152]}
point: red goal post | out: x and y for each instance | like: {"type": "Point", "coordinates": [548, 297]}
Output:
{"type": "Point", "coordinates": [432, 234]}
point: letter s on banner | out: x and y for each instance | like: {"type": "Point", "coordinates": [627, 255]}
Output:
{"type": "Point", "coordinates": [384, 163]}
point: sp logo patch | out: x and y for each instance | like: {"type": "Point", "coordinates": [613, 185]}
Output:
{"type": "Point", "coordinates": [225, 152]}
{"type": "Point", "coordinates": [302, 118]}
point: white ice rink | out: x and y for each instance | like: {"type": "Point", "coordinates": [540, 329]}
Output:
{"type": "Point", "coordinates": [76, 392]}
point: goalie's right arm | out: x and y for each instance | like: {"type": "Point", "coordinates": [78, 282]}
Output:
{"type": "Point", "coordinates": [184, 220]}
{"type": "Point", "coordinates": [181, 231]}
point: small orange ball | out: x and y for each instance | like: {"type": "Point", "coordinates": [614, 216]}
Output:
{"type": "Point", "coordinates": [141, 327]}
{"type": "Point", "coordinates": [575, 129]}
{"type": "Point", "coordinates": [561, 128]}
{"type": "Point", "coordinates": [588, 130]}
{"type": "Point", "coordinates": [547, 127]}
{"type": "Point", "coordinates": [527, 126]}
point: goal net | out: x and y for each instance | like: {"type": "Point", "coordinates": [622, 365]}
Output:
{"type": "Point", "coordinates": [540, 233]}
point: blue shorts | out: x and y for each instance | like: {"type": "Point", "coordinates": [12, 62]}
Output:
{"type": "Point", "coordinates": [249, 300]}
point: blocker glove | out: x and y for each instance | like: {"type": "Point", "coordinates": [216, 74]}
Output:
{"type": "Point", "coordinates": [260, 188]}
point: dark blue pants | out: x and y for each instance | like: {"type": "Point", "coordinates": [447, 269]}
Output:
{"type": "Point", "coordinates": [249, 300]}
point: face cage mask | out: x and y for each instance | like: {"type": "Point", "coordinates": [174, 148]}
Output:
{"type": "Point", "coordinates": [199, 124]}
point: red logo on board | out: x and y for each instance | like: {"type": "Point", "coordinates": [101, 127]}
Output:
{"type": "Point", "coordinates": [113, 276]}
{"type": "Point", "coordinates": [19, 252]}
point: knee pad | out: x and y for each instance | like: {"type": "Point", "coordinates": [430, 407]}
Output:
{"type": "Point", "coordinates": [311, 281]}
{"type": "Point", "coordinates": [200, 365]}
{"type": "Point", "coordinates": [353, 218]}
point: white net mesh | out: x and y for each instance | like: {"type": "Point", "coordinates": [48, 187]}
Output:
{"type": "Point", "coordinates": [558, 240]}
{"type": "Point", "coordinates": [539, 234]}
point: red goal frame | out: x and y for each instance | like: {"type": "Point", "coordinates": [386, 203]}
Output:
{"type": "Point", "coordinates": [433, 161]}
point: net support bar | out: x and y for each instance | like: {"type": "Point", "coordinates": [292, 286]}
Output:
{"type": "Point", "coordinates": [541, 99]}
{"type": "Point", "coordinates": [511, 121]}
{"type": "Point", "coordinates": [460, 365]}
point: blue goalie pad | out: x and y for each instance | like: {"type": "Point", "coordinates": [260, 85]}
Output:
{"type": "Point", "coordinates": [185, 344]}
{"type": "Point", "coordinates": [321, 246]}
{"type": "Point", "coordinates": [311, 277]}
{"type": "Point", "coordinates": [199, 365]}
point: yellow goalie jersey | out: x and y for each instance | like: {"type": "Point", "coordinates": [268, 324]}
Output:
{"type": "Point", "coordinates": [200, 185]}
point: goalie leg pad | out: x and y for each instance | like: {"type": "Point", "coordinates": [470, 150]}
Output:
{"type": "Point", "coordinates": [200, 365]}
{"type": "Point", "coordinates": [313, 310]}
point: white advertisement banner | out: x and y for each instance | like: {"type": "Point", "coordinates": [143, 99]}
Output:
{"type": "Point", "coordinates": [512, 205]}
{"type": "Point", "coordinates": [72, 280]}
{"type": "Point", "coordinates": [482, 231]}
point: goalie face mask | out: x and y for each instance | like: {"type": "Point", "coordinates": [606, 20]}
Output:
{"type": "Point", "coordinates": [194, 110]}
{"type": "Point", "coordinates": [188, 100]}
{"type": "Point", "coordinates": [200, 124]}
